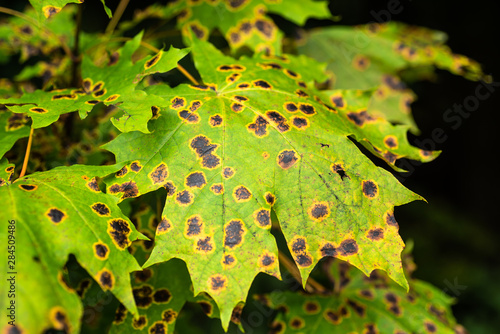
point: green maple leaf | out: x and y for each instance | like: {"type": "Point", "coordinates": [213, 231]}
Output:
{"type": "Point", "coordinates": [374, 55]}
{"type": "Point", "coordinates": [243, 23]}
{"type": "Point", "coordinates": [113, 84]}
{"type": "Point", "coordinates": [57, 213]}
{"type": "Point", "coordinates": [364, 305]}
{"type": "Point", "coordinates": [255, 137]}
{"type": "Point", "coordinates": [45, 9]}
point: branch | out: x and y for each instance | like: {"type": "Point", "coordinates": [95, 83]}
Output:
{"type": "Point", "coordinates": [27, 155]}
{"type": "Point", "coordinates": [116, 17]}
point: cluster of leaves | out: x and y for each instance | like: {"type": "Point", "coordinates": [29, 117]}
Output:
{"type": "Point", "coordinates": [260, 143]}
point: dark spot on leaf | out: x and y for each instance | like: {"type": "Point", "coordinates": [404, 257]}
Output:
{"type": "Point", "coordinates": [64, 97]}
{"type": "Point", "coordinates": [39, 110]}
{"type": "Point", "coordinates": [195, 105]}
{"type": "Point", "coordinates": [375, 234]}
{"type": "Point", "coordinates": [152, 61]}
{"type": "Point", "coordinates": [158, 328]}
{"type": "Point", "coordinates": [235, 4]}
{"type": "Point", "coordinates": [210, 161]}
{"type": "Point", "coordinates": [299, 245]}
{"type": "Point", "coordinates": [59, 319]}
{"type": "Point", "coordinates": [163, 226]}
{"type": "Point", "coordinates": [234, 37]}
{"type": "Point", "coordinates": [205, 245]}
{"type": "Point", "coordinates": [101, 250]}
{"type": "Point", "coordinates": [92, 102]}
{"type": "Point", "coordinates": [139, 323]}
{"type": "Point", "coordinates": [265, 27]}
{"type": "Point", "coordinates": [236, 315]}
{"type": "Point", "coordinates": [242, 194]}
{"type": "Point", "coordinates": [307, 109]}
{"type": "Point", "coordinates": [217, 282]}
{"type": "Point", "coordinates": [337, 168]}
{"type": "Point", "coordinates": [270, 198]}
{"type": "Point", "coordinates": [196, 180]}
{"type": "Point", "coordinates": [49, 11]}
{"type": "Point", "coordinates": [262, 84]}
{"type": "Point", "coordinates": [287, 159]}
{"type": "Point", "coordinates": [119, 230]}
{"type": "Point", "coordinates": [228, 260]}
{"type": "Point", "coordinates": [395, 309]}
{"type": "Point", "coordinates": [348, 247]}
{"type": "Point", "coordinates": [143, 275]}
{"type": "Point", "coordinates": [120, 315]}
{"type": "Point", "coordinates": [243, 85]}
{"type": "Point", "coordinates": [206, 307]}
{"type": "Point", "coordinates": [233, 233]}
{"type": "Point", "coordinates": [276, 327]}
{"type": "Point", "coordinates": [155, 112]}
{"type": "Point", "coordinates": [311, 307]}
{"type": "Point", "coordinates": [259, 126]}
{"type": "Point", "coordinates": [263, 218]}
{"type": "Point", "coordinates": [129, 189]}
{"type": "Point", "coordinates": [215, 120]}
{"type": "Point", "coordinates": [112, 98]}
{"type": "Point", "coordinates": [169, 316]}
{"type": "Point", "coordinates": [270, 66]}
{"type": "Point", "coordinates": [368, 294]}
{"type": "Point", "coordinates": [328, 250]}
{"type": "Point", "coordinates": [303, 260]}
{"type": "Point", "coordinates": [106, 279]}
{"type": "Point", "coordinates": [162, 296]}
{"type": "Point", "coordinates": [228, 172]}
{"type": "Point", "coordinates": [16, 121]}
{"type": "Point", "coordinates": [338, 101]}
{"type": "Point", "coordinates": [240, 98]}
{"type": "Point", "coordinates": [390, 157]}
{"type": "Point", "coordinates": [198, 30]}
{"type": "Point", "coordinates": [28, 187]}
{"type": "Point", "coordinates": [390, 220]}
{"type": "Point", "coordinates": [302, 84]}
{"type": "Point", "coordinates": [359, 309]}
{"type": "Point", "coordinates": [332, 316]}
{"type": "Point", "coordinates": [291, 74]}
{"type": "Point", "coordinates": [122, 172]}
{"type": "Point", "coordinates": [189, 116]}
{"type": "Point", "coordinates": [224, 68]}
{"type": "Point", "coordinates": [55, 215]}
{"type": "Point", "coordinates": [237, 107]}
{"type": "Point", "coordinates": [291, 107]}
{"type": "Point", "coordinates": [370, 329]}
{"type": "Point", "coordinates": [178, 102]}
{"type": "Point", "coordinates": [301, 93]}
{"type": "Point", "coordinates": [170, 187]}
{"type": "Point", "coordinates": [267, 260]}
{"type": "Point", "coordinates": [217, 188]}
{"type": "Point", "coordinates": [278, 120]}
{"type": "Point", "coordinates": [370, 189]}
{"type": "Point", "coordinates": [297, 323]}
{"type": "Point", "coordinates": [93, 185]}
{"type": "Point", "coordinates": [359, 118]}
{"type": "Point", "coordinates": [319, 211]}
{"type": "Point", "coordinates": [135, 166]}
{"type": "Point", "coordinates": [143, 296]}
{"type": "Point", "coordinates": [391, 298]}
{"type": "Point", "coordinates": [393, 82]}
{"type": "Point", "coordinates": [194, 226]}
{"type": "Point", "coordinates": [184, 198]}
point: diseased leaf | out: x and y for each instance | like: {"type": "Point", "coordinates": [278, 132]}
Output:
{"type": "Point", "coordinates": [6, 172]}
{"type": "Point", "coordinates": [48, 8]}
{"type": "Point", "coordinates": [372, 55]}
{"type": "Point", "coordinates": [255, 136]}
{"type": "Point", "coordinates": [359, 304]}
{"type": "Point", "coordinates": [12, 127]}
{"type": "Point", "coordinates": [57, 213]}
{"type": "Point", "coordinates": [242, 22]}
{"type": "Point", "coordinates": [112, 84]}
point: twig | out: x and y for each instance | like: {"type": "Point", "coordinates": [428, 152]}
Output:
{"type": "Point", "coordinates": [27, 155]}
{"type": "Point", "coordinates": [311, 284]}
{"type": "Point", "coordinates": [75, 74]}
{"type": "Point", "coordinates": [187, 74]}
{"type": "Point", "coordinates": [116, 17]}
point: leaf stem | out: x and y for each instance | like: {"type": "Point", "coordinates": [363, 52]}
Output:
{"type": "Point", "coordinates": [75, 74]}
{"type": "Point", "coordinates": [116, 17]}
{"type": "Point", "coordinates": [311, 284]}
{"type": "Point", "coordinates": [27, 155]}
{"type": "Point", "coordinates": [187, 74]}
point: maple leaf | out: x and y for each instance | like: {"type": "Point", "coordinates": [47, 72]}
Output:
{"type": "Point", "coordinates": [363, 304]}
{"type": "Point", "coordinates": [46, 9]}
{"type": "Point", "coordinates": [261, 112]}
{"type": "Point", "coordinates": [58, 213]}
{"type": "Point", "coordinates": [113, 84]}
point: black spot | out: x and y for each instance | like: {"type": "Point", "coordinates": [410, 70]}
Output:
{"type": "Point", "coordinates": [370, 329]}
{"type": "Point", "coordinates": [164, 226]}
{"type": "Point", "coordinates": [262, 84]}
{"type": "Point", "coordinates": [215, 120]}
{"type": "Point", "coordinates": [237, 107]}
{"type": "Point", "coordinates": [28, 187]}
{"type": "Point", "coordinates": [270, 199]}
{"type": "Point", "coordinates": [120, 315]}
{"type": "Point", "coordinates": [162, 296]}
{"type": "Point", "coordinates": [189, 116]}
{"type": "Point", "coordinates": [143, 275]}
{"type": "Point", "coordinates": [332, 316]}
{"type": "Point", "coordinates": [393, 82]}
{"type": "Point", "coordinates": [234, 37]}
{"type": "Point", "coordinates": [202, 146]}
{"type": "Point", "coordinates": [287, 159]}
{"type": "Point", "coordinates": [236, 315]}
{"type": "Point", "coordinates": [61, 321]}
{"type": "Point", "coordinates": [217, 282]}
{"type": "Point", "coordinates": [240, 98]}
{"type": "Point", "coordinates": [56, 215]}
{"type": "Point", "coordinates": [338, 101]}
{"type": "Point", "coordinates": [311, 307]}
{"type": "Point", "coordinates": [39, 110]}
{"type": "Point", "coordinates": [143, 296]}
{"type": "Point", "coordinates": [307, 109]}
{"type": "Point", "coordinates": [236, 3]}
{"type": "Point", "coordinates": [291, 73]}
{"type": "Point", "coordinates": [206, 307]}
{"type": "Point", "coordinates": [303, 260]}
{"type": "Point", "coordinates": [271, 66]}
{"type": "Point", "coordinates": [328, 250]}
{"type": "Point", "coordinates": [359, 309]}
{"type": "Point", "coordinates": [348, 247]}
{"type": "Point", "coordinates": [139, 323]}
{"type": "Point", "coordinates": [265, 27]}
{"type": "Point", "coordinates": [242, 193]}
{"type": "Point", "coordinates": [391, 298]}
{"type": "Point", "coordinates": [259, 126]}
{"type": "Point", "coordinates": [246, 27]}
{"type": "Point", "coordinates": [302, 84]}
{"type": "Point", "coordinates": [92, 102]}
{"type": "Point", "coordinates": [276, 327]}
{"type": "Point", "coordinates": [169, 316]}
{"type": "Point", "coordinates": [359, 118]}
{"type": "Point", "coordinates": [204, 245]}
{"type": "Point", "coordinates": [370, 189]}
{"type": "Point", "coordinates": [101, 209]}
{"type": "Point", "coordinates": [155, 112]}
{"type": "Point", "coordinates": [158, 328]}
{"type": "Point", "coordinates": [196, 180]}
{"type": "Point", "coordinates": [278, 120]}
{"type": "Point", "coordinates": [224, 68]}
{"type": "Point", "coordinates": [263, 218]}
{"type": "Point", "coordinates": [68, 96]}
{"type": "Point", "coordinates": [210, 161]}
{"type": "Point", "coordinates": [122, 172]}
{"type": "Point", "coordinates": [301, 93]}
{"type": "Point", "coordinates": [198, 31]}
{"type": "Point", "coordinates": [152, 61]}
{"type": "Point", "coordinates": [297, 323]}
{"type": "Point", "coordinates": [170, 187]}
{"type": "Point", "coordinates": [106, 280]}
{"type": "Point", "coordinates": [390, 157]}
{"type": "Point", "coordinates": [233, 234]}
{"type": "Point", "coordinates": [217, 188]}
{"type": "Point", "coordinates": [99, 93]}
{"type": "Point", "coordinates": [391, 142]}
{"type": "Point", "coordinates": [178, 102]}
{"type": "Point", "coordinates": [299, 245]}
{"type": "Point", "coordinates": [368, 294]}
{"type": "Point", "coordinates": [395, 309]}
{"type": "Point", "coordinates": [194, 226]}
{"type": "Point", "coordinates": [195, 105]}
{"type": "Point", "coordinates": [135, 167]}
{"type": "Point", "coordinates": [291, 107]}
{"type": "Point", "coordinates": [228, 259]}
{"type": "Point", "coordinates": [267, 260]}
{"type": "Point", "coordinates": [243, 86]}
{"type": "Point", "coordinates": [319, 211]}
{"type": "Point", "coordinates": [101, 250]}
{"type": "Point", "coordinates": [184, 197]}
{"type": "Point", "coordinates": [119, 231]}
{"type": "Point", "coordinates": [375, 234]}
